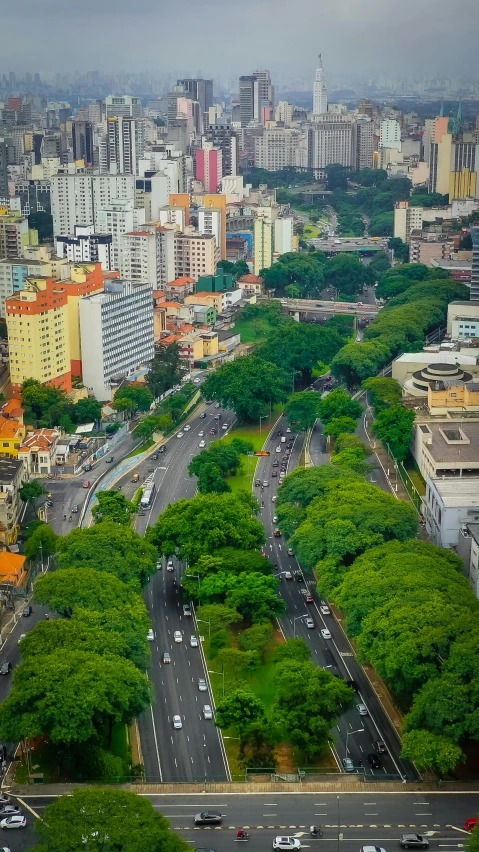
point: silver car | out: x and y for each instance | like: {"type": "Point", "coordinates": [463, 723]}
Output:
{"type": "Point", "coordinates": [207, 712]}
{"type": "Point", "coordinates": [177, 723]}
{"type": "Point", "coordinates": [202, 685]}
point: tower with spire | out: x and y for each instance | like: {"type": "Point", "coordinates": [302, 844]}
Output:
{"type": "Point", "coordinates": [320, 91]}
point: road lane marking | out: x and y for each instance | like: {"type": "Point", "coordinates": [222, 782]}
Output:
{"type": "Point", "coordinates": [28, 808]}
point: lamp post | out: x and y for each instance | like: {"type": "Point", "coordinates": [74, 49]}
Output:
{"type": "Point", "coordinates": [197, 577]}
{"type": "Point", "coordinates": [205, 621]}
{"type": "Point", "coordinates": [221, 674]}
{"type": "Point", "coordinates": [263, 417]}
{"type": "Point", "coordinates": [295, 619]}
{"type": "Point", "coordinates": [350, 733]}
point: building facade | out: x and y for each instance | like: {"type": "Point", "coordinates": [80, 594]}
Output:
{"type": "Point", "coordinates": [320, 91]}
{"type": "Point", "coordinates": [263, 244]}
{"type": "Point", "coordinates": [195, 255]}
{"type": "Point", "coordinates": [331, 139]}
{"type": "Point", "coordinates": [86, 246]}
{"type": "Point", "coordinates": [474, 228]}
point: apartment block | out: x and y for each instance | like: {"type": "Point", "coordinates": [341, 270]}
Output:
{"type": "Point", "coordinates": [406, 220]}
{"type": "Point", "coordinates": [195, 255]}
{"type": "Point", "coordinates": [76, 199]}
{"type": "Point", "coordinates": [14, 235]}
{"type": "Point", "coordinates": [12, 477]}
{"type": "Point", "coordinates": [120, 217]}
{"type": "Point", "coordinates": [263, 242]}
{"type": "Point", "coordinates": [280, 148]}
{"type": "Point", "coordinates": [117, 336]}
{"type": "Point", "coordinates": [148, 256]}
{"type": "Point", "coordinates": [86, 246]}
{"type": "Point", "coordinates": [15, 271]}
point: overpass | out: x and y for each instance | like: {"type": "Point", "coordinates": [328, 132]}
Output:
{"type": "Point", "coordinates": [305, 306]}
{"type": "Point", "coordinates": [338, 245]}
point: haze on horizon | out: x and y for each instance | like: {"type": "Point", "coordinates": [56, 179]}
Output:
{"type": "Point", "coordinates": [366, 37]}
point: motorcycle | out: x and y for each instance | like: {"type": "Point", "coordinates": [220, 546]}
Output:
{"type": "Point", "coordinates": [315, 831]}
{"type": "Point", "coordinates": [242, 835]}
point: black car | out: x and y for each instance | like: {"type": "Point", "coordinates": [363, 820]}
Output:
{"type": "Point", "coordinates": [5, 668]}
{"type": "Point", "coordinates": [380, 746]}
{"type": "Point", "coordinates": [374, 761]}
{"type": "Point", "coordinates": [298, 576]}
{"type": "Point", "coordinates": [155, 456]}
{"type": "Point", "coordinates": [352, 685]}
{"type": "Point", "coordinates": [413, 841]}
{"type": "Point", "coordinates": [162, 449]}
{"type": "Point", "coordinates": [110, 460]}
{"type": "Point", "coordinates": [208, 818]}
{"type": "Point", "coordinates": [27, 610]}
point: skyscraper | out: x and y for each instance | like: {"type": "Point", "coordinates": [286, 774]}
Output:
{"type": "Point", "coordinates": [265, 96]}
{"type": "Point", "coordinates": [82, 136]}
{"type": "Point", "coordinates": [320, 91]}
{"type": "Point", "coordinates": [3, 169]}
{"type": "Point", "coordinates": [125, 144]}
{"type": "Point", "coordinates": [248, 92]}
{"type": "Point", "coordinates": [222, 136]}
{"type": "Point", "coordinates": [201, 91]}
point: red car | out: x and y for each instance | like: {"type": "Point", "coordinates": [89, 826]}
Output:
{"type": "Point", "coordinates": [309, 599]}
{"type": "Point", "coordinates": [470, 823]}
{"type": "Point", "coordinates": [87, 483]}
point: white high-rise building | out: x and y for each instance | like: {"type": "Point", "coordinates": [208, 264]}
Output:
{"type": "Point", "coordinates": [283, 235]}
{"type": "Point", "coordinates": [77, 198]}
{"type": "Point", "coordinates": [209, 222]}
{"type": "Point", "coordinates": [119, 218]}
{"type": "Point", "coordinates": [116, 105]}
{"type": "Point", "coordinates": [279, 148]}
{"type": "Point", "coordinates": [148, 256]}
{"type": "Point", "coordinates": [125, 144]}
{"type": "Point", "coordinates": [320, 91]}
{"type": "Point", "coordinates": [116, 330]}
{"type": "Point", "coordinates": [390, 134]}
{"type": "Point", "coordinates": [332, 139]}
{"type": "Point", "coordinates": [86, 247]}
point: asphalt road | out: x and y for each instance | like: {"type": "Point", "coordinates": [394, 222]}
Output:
{"type": "Point", "coordinates": [354, 734]}
{"type": "Point", "coordinates": [349, 821]}
{"type": "Point", "coordinates": [195, 752]}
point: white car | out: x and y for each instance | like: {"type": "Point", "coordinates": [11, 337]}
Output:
{"type": "Point", "coordinates": [288, 575]}
{"type": "Point", "coordinates": [150, 635]}
{"type": "Point", "coordinates": [201, 434]}
{"type": "Point", "coordinates": [362, 709]}
{"type": "Point", "coordinates": [170, 566]}
{"type": "Point", "coordinates": [288, 430]}
{"type": "Point", "coordinates": [186, 428]}
{"type": "Point", "coordinates": [278, 449]}
{"type": "Point", "coordinates": [194, 642]}
{"type": "Point", "coordinates": [325, 633]}
{"type": "Point", "coordinates": [286, 843]}
{"type": "Point", "coordinates": [196, 381]}
{"type": "Point", "coordinates": [22, 636]}
{"type": "Point", "coordinates": [179, 434]}
{"type": "Point", "coordinates": [273, 499]}
{"type": "Point", "coordinates": [15, 821]}
{"type": "Point", "coordinates": [202, 444]}
{"type": "Point", "coordinates": [225, 427]}
{"type": "Point", "coordinates": [324, 609]}
{"type": "Point", "coordinates": [177, 723]}
{"type": "Point", "coordinates": [275, 518]}
{"type": "Point", "coordinates": [207, 712]}
{"type": "Point", "coordinates": [178, 636]}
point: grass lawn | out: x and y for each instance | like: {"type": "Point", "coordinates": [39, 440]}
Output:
{"type": "Point", "coordinates": [250, 432]}
{"type": "Point", "coordinates": [142, 448]}
{"type": "Point", "coordinates": [253, 330]}
{"type": "Point", "coordinates": [414, 474]}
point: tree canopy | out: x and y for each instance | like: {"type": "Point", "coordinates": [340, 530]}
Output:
{"type": "Point", "coordinates": [166, 370]}
{"type": "Point", "coordinates": [114, 507]}
{"type": "Point", "coordinates": [297, 348]}
{"type": "Point", "coordinates": [248, 386]}
{"type": "Point", "coordinates": [302, 409]}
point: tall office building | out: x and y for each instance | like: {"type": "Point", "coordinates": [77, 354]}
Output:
{"type": "Point", "coordinates": [364, 143]}
{"type": "Point", "coordinates": [332, 139]}
{"type": "Point", "coordinates": [223, 136]}
{"type": "Point", "coordinates": [475, 262]}
{"type": "Point", "coordinates": [390, 134]}
{"type": "Point", "coordinates": [201, 91]}
{"type": "Point", "coordinates": [76, 199]}
{"type": "Point", "coordinates": [320, 91]}
{"type": "Point", "coordinates": [123, 105]}
{"type": "Point", "coordinates": [209, 167]}
{"type": "Point", "coordinates": [82, 136]}
{"type": "Point", "coordinates": [3, 169]}
{"type": "Point", "coordinates": [248, 92]}
{"type": "Point", "coordinates": [265, 96]}
{"type": "Point", "coordinates": [280, 148]}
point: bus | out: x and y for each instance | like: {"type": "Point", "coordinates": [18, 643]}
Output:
{"type": "Point", "coordinates": [148, 495]}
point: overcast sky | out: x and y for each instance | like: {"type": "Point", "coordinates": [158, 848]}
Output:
{"type": "Point", "coordinates": [227, 37]}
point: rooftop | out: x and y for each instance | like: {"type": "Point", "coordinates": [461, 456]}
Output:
{"type": "Point", "coordinates": [9, 470]}
{"type": "Point", "coordinates": [458, 492]}
{"type": "Point", "coordinates": [436, 358]}
{"type": "Point", "coordinates": [455, 443]}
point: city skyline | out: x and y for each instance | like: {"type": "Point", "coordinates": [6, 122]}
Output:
{"type": "Point", "coordinates": [438, 40]}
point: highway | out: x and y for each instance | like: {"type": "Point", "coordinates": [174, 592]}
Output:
{"type": "Point", "coordinates": [354, 734]}
{"type": "Point", "coordinates": [327, 306]}
{"type": "Point", "coordinates": [349, 820]}
{"type": "Point", "coordinates": [195, 752]}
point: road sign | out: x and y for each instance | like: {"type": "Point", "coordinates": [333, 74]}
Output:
{"type": "Point", "coordinates": [261, 453]}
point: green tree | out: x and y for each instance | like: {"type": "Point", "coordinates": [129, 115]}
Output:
{"type": "Point", "coordinates": [292, 649]}
{"type": "Point", "coordinates": [43, 543]}
{"type": "Point", "coordinates": [31, 491]}
{"type": "Point", "coordinates": [205, 524]}
{"type": "Point", "coordinates": [211, 480]}
{"type": "Point", "coordinates": [400, 249]}
{"type": "Point", "coordinates": [114, 507]}
{"type": "Point", "coordinates": [382, 225]}
{"type": "Point", "coordinates": [353, 458]}
{"type": "Point", "coordinates": [302, 410]}
{"type": "Point", "coordinates": [141, 396]}
{"type": "Point", "coordinates": [48, 637]}
{"type": "Point", "coordinates": [297, 348]}
{"type": "Point", "coordinates": [347, 274]}
{"type": "Point", "coordinates": [166, 370]}
{"type": "Point", "coordinates": [394, 428]}
{"type": "Point", "coordinates": [87, 410]}
{"type": "Point", "coordinates": [247, 385]}
{"type": "Point", "coordinates": [338, 403]}
{"type": "Point", "coordinates": [239, 710]}
{"type": "Point", "coordinates": [218, 616]}
{"type": "Point", "coordinates": [256, 638]}
{"type": "Point", "coordinates": [383, 392]}
{"type": "Point", "coordinates": [130, 621]}
{"type": "Point", "coordinates": [309, 699]}
{"type": "Point", "coordinates": [147, 427]}
{"type": "Point", "coordinates": [97, 818]}
{"type": "Point", "coordinates": [233, 661]}
{"type": "Point", "coordinates": [430, 751]}
{"type": "Point", "coordinates": [354, 362]}
{"type": "Point", "coordinates": [109, 547]}
{"type": "Point", "coordinates": [339, 425]}
{"type": "Point", "coordinates": [292, 291]}
{"type": "Point", "coordinates": [70, 696]}
{"type": "Point", "coordinates": [69, 588]}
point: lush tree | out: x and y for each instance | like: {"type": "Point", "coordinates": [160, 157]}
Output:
{"type": "Point", "coordinates": [239, 710]}
{"type": "Point", "coordinates": [147, 427]}
{"type": "Point", "coordinates": [339, 426]}
{"type": "Point", "coordinates": [382, 225]}
{"type": "Point", "coordinates": [87, 410]}
{"type": "Point", "coordinates": [38, 399]}
{"type": "Point", "coordinates": [69, 696]}
{"type": "Point", "coordinates": [257, 746]}
{"type": "Point", "coordinates": [380, 263]}
{"type": "Point", "coordinates": [256, 638]}
{"type": "Point", "coordinates": [69, 588]}
{"type": "Point", "coordinates": [140, 395]}
{"type": "Point", "coordinates": [233, 662]}
{"type": "Point", "coordinates": [337, 176]}
{"type": "Point", "coordinates": [446, 705]}
{"type": "Point", "coordinates": [338, 403]}
{"type": "Point", "coordinates": [400, 249]}
{"type": "Point", "coordinates": [353, 458]}
{"type": "Point", "coordinates": [302, 410]}
{"type": "Point", "coordinates": [218, 616]}
{"type": "Point", "coordinates": [31, 491]}
{"type": "Point", "coordinates": [96, 819]}
{"type": "Point", "coordinates": [109, 547]}
{"type": "Point", "coordinates": [383, 392]}
{"type": "Point", "coordinates": [114, 507]}
{"type": "Point", "coordinates": [355, 362]}
{"type": "Point", "coordinates": [292, 291]}
{"type": "Point", "coordinates": [292, 649]}
{"type": "Point", "coordinates": [298, 347]}
{"type": "Point", "coordinates": [309, 699]}
{"type": "Point", "coordinates": [393, 427]}
{"type": "Point", "coordinates": [43, 543]}
{"type": "Point", "coordinates": [254, 595]}
{"type": "Point", "coordinates": [304, 271]}
{"type": "Point", "coordinates": [205, 524]}
{"type": "Point", "coordinates": [233, 560]}
{"type": "Point", "coordinates": [130, 621]}
{"type": "Point", "coordinates": [166, 370]}
{"type": "Point", "coordinates": [48, 637]}
{"type": "Point", "coordinates": [347, 274]}
{"type": "Point", "coordinates": [247, 385]}
{"type": "Point", "coordinates": [430, 751]}
{"type": "Point", "coordinates": [211, 480]}
{"type": "Point", "coordinates": [221, 459]}
{"type": "Point", "coordinates": [302, 486]}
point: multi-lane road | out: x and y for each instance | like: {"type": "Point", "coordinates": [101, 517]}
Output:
{"type": "Point", "coordinates": [349, 821]}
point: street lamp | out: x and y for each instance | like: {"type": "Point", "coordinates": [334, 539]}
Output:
{"type": "Point", "coordinates": [221, 674]}
{"type": "Point", "coordinates": [205, 621]}
{"type": "Point", "coordinates": [197, 577]}
{"type": "Point", "coordinates": [295, 619]}
{"type": "Point", "coordinates": [350, 733]}
{"type": "Point", "coordinates": [263, 417]}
